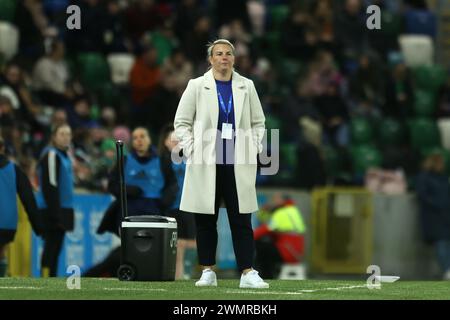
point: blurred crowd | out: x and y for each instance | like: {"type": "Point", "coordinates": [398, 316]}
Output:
{"type": "Point", "coordinates": [316, 65]}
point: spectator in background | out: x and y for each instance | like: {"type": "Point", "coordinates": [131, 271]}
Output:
{"type": "Point", "coordinates": [186, 246]}
{"type": "Point", "coordinates": [55, 197]}
{"type": "Point", "coordinates": [13, 182]}
{"type": "Point", "coordinates": [367, 82]}
{"type": "Point", "coordinates": [399, 92]}
{"type": "Point", "coordinates": [12, 85]}
{"type": "Point", "coordinates": [433, 194]}
{"type": "Point", "coordinates": [187, 13]}
{"type": "Point", "coordinates": [140, 17]}
{"type": "Point", "coordinates": [334, 115]}
{"type": "Point", "coordinates": [443, 110]}
{"type": "Point", "coordinates": [33, 25]}
{"type": "Point", "coordinates": [179, 68]}
{"type": "Point", "coordinates": [114, 38]}
{"type": "Point", "coordinates": [79, 115]}
{"type": "Point", "coordinates": [195, 41]}
{"type": "Point", "coordinates": [299, 36]}
{"type": "Point", "coordinates": [280, 238]}
{"type": "Point", "coordinates": [322, 13]}
{"type": "Point", "coordinates": [350, 32]}
{"type": "Point", "coordinates": [90, 37]}
{"type": "Point", "coordinates": [51, 75]}
{"type": "Point", "coordinates": [145, 76]}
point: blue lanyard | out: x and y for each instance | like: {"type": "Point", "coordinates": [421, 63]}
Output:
{"type": "Point", "coordinates": [222, 104]}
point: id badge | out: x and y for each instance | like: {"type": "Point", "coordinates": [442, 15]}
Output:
{"type": "Point", "coordinates": [227, 131]}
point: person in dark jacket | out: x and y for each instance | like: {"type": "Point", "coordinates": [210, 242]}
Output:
{"type": "Point", "coordinates": [433, 194]}
{"type": "Point", "coordinates": [13, 182]}
{"type": "Point", "coordinates": [55, 197]}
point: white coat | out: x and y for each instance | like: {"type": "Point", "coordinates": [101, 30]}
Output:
{"type": "Point", "coordinates": [195, 125]}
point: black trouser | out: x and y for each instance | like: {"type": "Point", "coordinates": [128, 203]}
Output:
{"type": "Point", "coordinates": [240, 224]}
{"type": "Point", "coordinates": [53, 241]}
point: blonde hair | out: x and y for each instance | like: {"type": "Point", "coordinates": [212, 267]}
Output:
{"type": "Point", "coordinates": [218, 41]}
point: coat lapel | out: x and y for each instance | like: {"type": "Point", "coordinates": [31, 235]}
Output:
{"type": "Point", "coordinates": [210, 91]}
{"type": "Point", "coordinates": [238, 87]}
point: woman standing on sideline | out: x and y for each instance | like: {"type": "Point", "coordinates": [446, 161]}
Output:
{"type": "Point", "coordinates": [186, 246]}
{"type": "Point", "coordinates": [220, 125]}
{"type": "Point", "coordinates": [55, 197]}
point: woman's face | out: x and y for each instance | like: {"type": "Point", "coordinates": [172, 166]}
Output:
{"type": "Point", "coordinates": [222, 59]}
{"type": "Point", "coordinates": [140, 140]}
{"type": "Point", "coordinates": [62, 138]}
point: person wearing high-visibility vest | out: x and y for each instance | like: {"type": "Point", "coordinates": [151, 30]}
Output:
{"type": "Point", "coordinates": [281, 238]}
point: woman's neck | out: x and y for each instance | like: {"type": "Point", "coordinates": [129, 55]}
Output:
{"type": "Point", "coordinates": [222, 76]}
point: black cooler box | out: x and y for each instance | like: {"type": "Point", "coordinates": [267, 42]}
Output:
{"type": "Point", "coordinates": [149, 248]}
{"type": "Point", "coordinates": [148, 242]}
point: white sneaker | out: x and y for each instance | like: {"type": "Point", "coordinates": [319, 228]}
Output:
{"type": "Point", "coordinates": [253, 280]}
{"type": "Point", "coordinates": [208, 279]}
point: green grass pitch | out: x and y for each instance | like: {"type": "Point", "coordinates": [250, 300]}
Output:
{"type": "Point", "coordinates": [92, 288]}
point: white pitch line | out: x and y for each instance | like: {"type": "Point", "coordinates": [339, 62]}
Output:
{"type": "Point", "coordinates": [132, 289]}
{"type": "Point", "coordinates": [297, 292]}
{"type": "Point", "coordinates": [17, 288]}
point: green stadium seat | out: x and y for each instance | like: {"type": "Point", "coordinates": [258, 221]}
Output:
{"type": "Point", "coordinates": [332, 161]}
{"type": "Point", "coordinates": [278, 14]}
{"type": "Point", "coordinates": [430, 78]}
{"type": "Point", "coordinates": [288, 155]}
{"type": "Point", "coordinates": [390, 132]}
{"type": "Point", "coordinates": [424, 103]}
{"type": "Point", "coordinates": [108, 94]}
{"type": "Point", "coordinates": [424, 133]}
{"type": "Point", "coordinates": [365, 157]}
{"type": "Point", "coordinates": [391, 22]}
{"type": "Point", "coordinates": [93, 69]}
{"type": "Point", "coordinates": [7, 10]}
{"type": "Point", "coordinates": [361, 131]}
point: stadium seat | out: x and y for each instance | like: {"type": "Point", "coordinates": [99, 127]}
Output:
{"type": "Point", "coordinates": [424, 133]}
{"type": "Point", "coordinates": [108, 94]}
{"type": "Point", "coordinates": [422, 22]}
{"type": "Point", "coordinates": [430, 78]}
{"type": "Point", "coordinates": [94, 70]}
{"type": "Point", "coordinates": [391, 22]}
{"type": "Point", "coordinates": [361, 131]}
{"type": "Point", "coordinates": [417, 49]}
{"type": "Point", "coordinates": [332, 160]}
{"type": "Point", "coordinates": [444, 130]}
{"type": "Point", "coordinates": [120, 65]}
{"type": "Point", "coordinates": [365, 157]}
{"type": "Point", "coordinates": [390, 132]}
{"type": "Point", "coordinates": [424, 103]}
{"type": "Point", "coordinates": [288, 155]}
{"type": "Point", "coordinates": [278, 14]}
{"type": "Point", "coordinates": [9, 39]}
{"type": "Point", "coordinates": [7, 10]}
